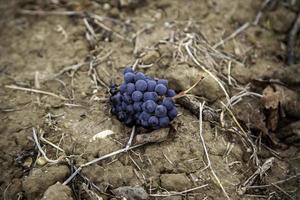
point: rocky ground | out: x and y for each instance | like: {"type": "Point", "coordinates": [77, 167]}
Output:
{"type": "Point", "coordinates": [59, 57]}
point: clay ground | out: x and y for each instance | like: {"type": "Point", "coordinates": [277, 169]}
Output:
{"type": "Point", "coordinates": [74, 56]}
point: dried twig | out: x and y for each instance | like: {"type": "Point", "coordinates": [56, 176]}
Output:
{"type": "Point", "coordinates": [99, 159]}
{"type": "Point", "coordinates": [201, 106]}
{"type": "Point", "coordinates": [178, 193]}
{"type": "Point", "coordinates": [44, 13]}
{"type": "Point", "coordinates": [41, 150]}
{"type": "Point", "coordinates": [187, 47]}
{"type": "Point", "coordinates": [14, 87]}
{"type": "Point", "coordinates": [233, 35]}
{"type": "Point", "coordinates": [259, 172]}
{"type": "Point", "coordinates": [130, 138]}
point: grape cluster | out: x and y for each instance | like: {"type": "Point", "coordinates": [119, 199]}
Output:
{"type": "Point", "coordinates": [143, 101]}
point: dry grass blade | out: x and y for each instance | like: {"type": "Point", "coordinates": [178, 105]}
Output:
{"type": "Point", "coordinates": [233, 35]}
{"type": "Point", "coordinates": [187, 47]}
{"type": "Point", "coordinates": [201, 106]}
{"type": "Point", "coordinates": [14, 87]}
{"type": "Point", "coordinates": [178, 193]}
{"type": "Point", "coordinates": [40, 148]}
{"type": "Point", "coordinates": [99, 159]}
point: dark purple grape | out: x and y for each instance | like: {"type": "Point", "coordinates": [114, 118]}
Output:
{"type": "Point", "coordinates": [137, 106]}
{"type": "Point", "coordinates": [130, 88]}
{"type": "Point", "coordinates": [123, 88]}
{"type": "Point", "coordinates": [172, 113]}
{"type": "Point", "coordinates": [164, 122]}
{"type": "Point", "coordinates": [123, 105]}
{"type": "Point", "coordinates": [150, 96]}
{"type": "Point", "coordinates": [116, 99]}
{"type": "Point", "coordinates": [129, 109]}
{"type": "Point", "coordinates": [151, 85]}
{"type": "Point", "coordinates": [153, 121]}
{"type": "Point", "coordinates": [127, 98]}
{"type": "Point", "coordinates": [139, 76]}
{"type": "Point", "coordinates": [129, 77]}
{"type": "Point", "coordinates": [129, 121]}
{"type": "Point", "coordinates": [137, 96]}
{"type": "Point", "coordinates": [160, 111]}
{"type": "Point", "coordinates": [141, 85]}
{"type": "Point", "coordinates": [118, 108]}
{"type": "Point", "coordinates": [168, 103]}
{"type": "Point", "coordinates": [122, 116]}
{"type": "Point", "coordinates": [144, 117]}
{"type": "Point", "coordinates": [170, 93]}
{"type": "Point", "coordinates": [160, 89]}
{"type": "Point", "coordinates": [149, 106]}
{"type": "Point", "coordinates": [163, 81]}
{"type": "Point", "coordinates": [128, 69]}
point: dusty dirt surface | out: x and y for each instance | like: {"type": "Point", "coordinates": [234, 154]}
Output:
{"type": "Point", "coordinates": [58, 58]}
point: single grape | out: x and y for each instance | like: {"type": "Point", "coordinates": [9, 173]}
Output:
{"type": "Point", "coordinates": [163, 81]}
{"type": "Point", "coordinates": [129, 77]}
{"type": "Point", "coordinates": [137, 118]}
{"type": "Point", "coordinates": [127, 69]}
{"type": "Point", "coordinates": [118, 108]}
{"type": "Point", "coordinates": [170, 93]}
{"type": "Point", "coordinates": [151, 85]}
{"type": "Point", "coordinates": [172, 113]}
{"type": "Point", "coordinates": [127, 98]}
{"type": "Point", "coordinates": [123, 105]}
{"type": "Point", "coordinates": [168, 103]}
{"type": "Point", "coordinates": [130, 88]}
{"type": "Point", "coordinates": [149, 106]}
{"type": "Point", "coordinates": [137, 96]}
{"type": "Point", "coordinates": [144, 117]}
{"type": "Point", "coordinates": [113, 89]}
{"type": "Point", "coordinates": [164, 122]}
{"type": "Point", "coordinates": [153, 121]}
{"type": "Point", "coordinates": [150, 96]}
{"type": "Point", "coordinates": [129, 121]}
{"type": "Point", "coordinates": [122, 116]}
{"type": "Point", "coordinates": [141, 85]}
{"type": "Point", "coordinates": [160, 89]}
{"type": "Point", "coordinates": [137, 106]}
{"type": "Point", "coordinates": [116, 99]}
{"type": "Point", "coordinates": [145, 124]}
{"type": "Point", "coordinates": [129, 109]}
{"type": "Point", "coordinates": [160, 111]}
{"type": "Point", "coordinates": [123, 88]}
{"type": "Point", "coordinates": [139, 76]}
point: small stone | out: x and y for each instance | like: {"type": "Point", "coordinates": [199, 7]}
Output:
{"type": "Point", "coordinates": [106, 6]}
{"type": "Point", "coordinates": [150, 57]}
{"type": "Point", "coordinates": [132, 193]}
{"type": "Point", "coordinates": [175, 182]}
{"type": "Point", "coordinates": [41, 161]}
{"type": "Point", "coordinates": [58, 191]}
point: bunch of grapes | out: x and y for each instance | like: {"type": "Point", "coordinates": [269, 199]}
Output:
{"type": "Point", "coordinates": [143, 101]}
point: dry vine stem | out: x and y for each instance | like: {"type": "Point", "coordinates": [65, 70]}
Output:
{"type": "Point", "coordinates": [14, 87]}
{"type": "Point", "coordinates": [259, 172]}
{"type": "Point", "coordinates": [41, 150]}
{"type": "Point", "coordinates": [99, 159]}
{"type": "Point", "coordinates": [187, 47]}
{"type": "Point", "coordinates": [178, 193]}
{"type": "Point", "coordinates": [201, 106]}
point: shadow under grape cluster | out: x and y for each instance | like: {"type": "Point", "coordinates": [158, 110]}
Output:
{"type": "Point", "coordinates": [143, 101]}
